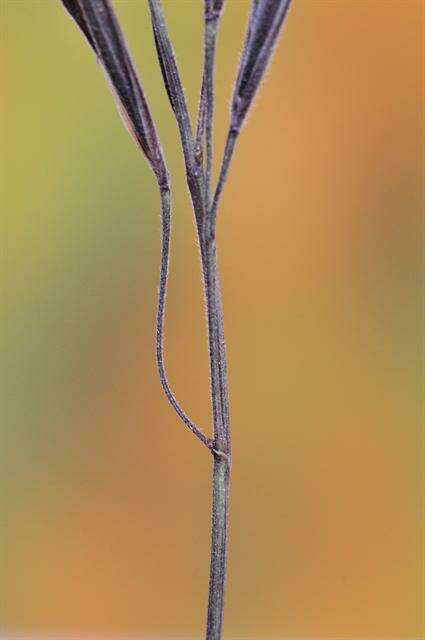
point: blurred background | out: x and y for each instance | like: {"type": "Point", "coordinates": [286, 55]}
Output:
{"type": "Point", "coordinates": [105, 497]}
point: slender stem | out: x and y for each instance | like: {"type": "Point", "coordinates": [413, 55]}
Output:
{"type": "Point", "coordinates": [219, 526]}
{"type": "Point", "coordinates": [232, 136]}
{"type": "Point", "coordinates": [217, 349]}
{"type": "Point", "coordinates": [200, 126]}
{"type": "Point", "coordinates": [200, 190]}
{"type": "Point", "coordinates": [165, 251]}
{"type": "Point", "coordinates": [211, 28]}
{"type": "Point", "coordinates": [222, 448]}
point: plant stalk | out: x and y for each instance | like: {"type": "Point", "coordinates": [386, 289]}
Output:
{"type": "Point", "coordinates": [219, 526]}
{"type": "Point", "coordinates": [164, 189]}
{"type": "Point", "coordinates": [221, 444]}
{"type": "Point", "coordinates": [217, 351]}
{"type": "Point", "coordinates": [211, 27]}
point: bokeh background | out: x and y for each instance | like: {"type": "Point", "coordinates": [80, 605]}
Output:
{"type": "Point", "coordinates": [105, 503]}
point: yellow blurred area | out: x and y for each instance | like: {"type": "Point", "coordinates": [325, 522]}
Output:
{"type": "Point", "coordinates": [105, 497]}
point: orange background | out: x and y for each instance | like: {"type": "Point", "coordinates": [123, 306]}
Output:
{"type": "Point", "coordinates": [105, 496]}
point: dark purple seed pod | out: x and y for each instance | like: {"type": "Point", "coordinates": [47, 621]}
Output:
{"type": "Point", "coordinates": [264, 25]}
{"type": "Point", "coordinates": [265, 22]}
{"type": "Point", "coordinates": [74, 10]}
{"type": "Point", "coordinates": [98, 22]}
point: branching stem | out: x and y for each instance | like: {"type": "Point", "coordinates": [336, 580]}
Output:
{"type": "Point", "coordinates": [222, 449]}
{"type": "Point", "coordinates": [217, 351]}
{"type": "Point", "coordinates": [163, 278]}
{"type": "Point", "coordinates": [225, 164]}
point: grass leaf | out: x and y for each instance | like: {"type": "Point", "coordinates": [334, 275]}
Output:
{"type": "Point", "coordinates": [97, 20]}
{"type": "Point", "coordinates": [265, 23]}
{"type": "Point", "coordinates": [172, 81]}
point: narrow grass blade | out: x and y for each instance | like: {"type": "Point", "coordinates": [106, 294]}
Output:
{"type": "Point", "coordinates": [204, 133]}
{"type": "Point", "coordinates": [266, 20]}
{"type": "Point", "coordinates": [99, 24]}
{"type": "Point", "coordinates": [172, 80]}
{"type": "Point", "coordinates": [248, 39]}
